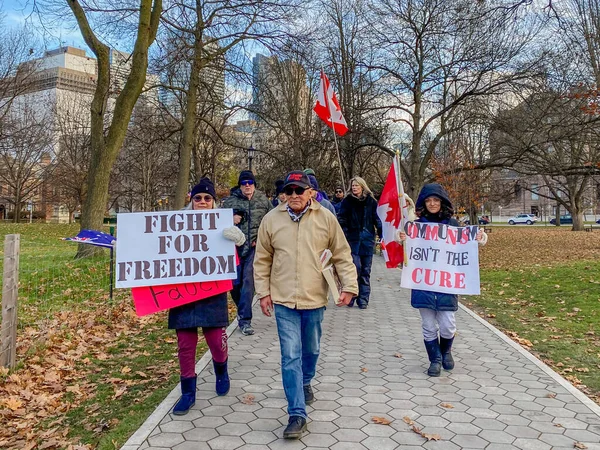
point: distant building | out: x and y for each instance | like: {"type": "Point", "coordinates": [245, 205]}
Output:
{"type": "Point", "coordinates": [279, 88]}
{"type": "Point", "coordinates": [61, 90]}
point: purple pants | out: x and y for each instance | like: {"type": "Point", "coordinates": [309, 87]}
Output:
{"type": "Point", "coordinates": [187, 341]}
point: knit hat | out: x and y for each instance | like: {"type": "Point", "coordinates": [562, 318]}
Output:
{"type": "Point", "coordinates": [313, 181]}
{"type": "Point", "coordinates": [309, 171]}
{"type": "Point", "coordinates": [246, 175]}
{"type": "Point", "coordinates": [278, 187]}
{"type": "Point", "coordinates": [205, 186]}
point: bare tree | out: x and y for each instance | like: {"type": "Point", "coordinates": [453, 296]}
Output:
{"type": "Point", "coordinates": [142, 179]}
{"type": "Point", "coordinates": [552, 135]}
{"type": "Point", "coordinates": [437, 56]}
{"type": "Point", "coordinates": [106, 143]}
{"type": "Point", "coordinates": [206, 32]}
{"type": "Point", "coordinates": [17, 49]}
{"type": "Point", "coordinates": [25, 154]}
{"type": "Point", "coordinates": [72, 130]}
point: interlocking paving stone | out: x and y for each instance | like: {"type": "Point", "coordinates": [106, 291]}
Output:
{"type": "Point", "coordinates": [500, 399]}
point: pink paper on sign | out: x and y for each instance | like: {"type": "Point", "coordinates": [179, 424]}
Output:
{"type": "Point", "coordinates": [152, 299]}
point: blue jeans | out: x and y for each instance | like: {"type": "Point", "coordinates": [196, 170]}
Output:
{"type": "Point", "coordinates": [243, 289]}
{"type": "Point", "coordinates": [363, 269]}
{"type": "Point", "coordinates": [299, 338]}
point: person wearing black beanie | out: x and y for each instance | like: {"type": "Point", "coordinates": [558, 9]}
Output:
{"type": "Point", "coordinates": [249, 207]}
{"type": "Point", "coordinates": [210, 313]}
{"type": "Point", "coordinates": [205, 186]}
{"type": "Point", "coordinates": [246, 175]}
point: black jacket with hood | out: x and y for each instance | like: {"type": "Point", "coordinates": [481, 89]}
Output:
{"type": "Point", "coordinates": [428, 299]}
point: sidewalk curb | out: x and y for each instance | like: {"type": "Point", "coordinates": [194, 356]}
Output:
{"type": "Point", "coordinates": [532, 358]}
{"type": "Point", "coordinates": [154, 419]}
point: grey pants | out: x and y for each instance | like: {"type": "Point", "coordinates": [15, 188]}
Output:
{"type": "Point", "coordinates": [432, 320]}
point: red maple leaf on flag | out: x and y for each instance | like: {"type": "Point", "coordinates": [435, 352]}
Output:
{"type": "Point", "coordinates": [389, 196]}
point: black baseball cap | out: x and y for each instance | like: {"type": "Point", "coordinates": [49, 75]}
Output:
{"type": "Point", "coordinates": [296, 178]}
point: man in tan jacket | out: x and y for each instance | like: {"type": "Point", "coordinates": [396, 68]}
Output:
{"type": "Point", "coordinates": [288, 280]}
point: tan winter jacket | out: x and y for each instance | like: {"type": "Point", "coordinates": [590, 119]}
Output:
{"type": "Point", "coordinates": [287, 265]}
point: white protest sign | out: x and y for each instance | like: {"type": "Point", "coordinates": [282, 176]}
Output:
{"type": "Point", "coordinates": [441, 258]}
{"type": "Point", "coordinates": [172, 247]}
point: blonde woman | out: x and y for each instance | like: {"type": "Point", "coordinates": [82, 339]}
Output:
{"type": "Point", "coordinates": [359, 220]}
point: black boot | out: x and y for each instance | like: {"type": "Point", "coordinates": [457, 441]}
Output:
{"type": "Point", "coordinates": [435, 358]}
{"type": "Point", "coordinates": [222, 385]}
{"type": "Point", "coordinates": [188, 396]}
{"type": "Point", "coordinates": [296, 426]}
{"type": "Point", "coordinates": [445, 348]}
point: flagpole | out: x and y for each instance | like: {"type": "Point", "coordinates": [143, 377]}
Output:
{"type": "Point", "coordinates": [337, 149]}
{"type": "Point", "coordinates": [400, 199]}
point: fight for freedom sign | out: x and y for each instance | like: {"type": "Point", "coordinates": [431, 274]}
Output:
{"type": "Point", "coordinates": [159, 248]}
{"type": "Point", "coordinates": [441, 258]}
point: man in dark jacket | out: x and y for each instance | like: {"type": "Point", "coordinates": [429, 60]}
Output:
{"type": "Point", "coordinates": [337, 199]}
{"type": "Point", "coordinates": [249, 207]}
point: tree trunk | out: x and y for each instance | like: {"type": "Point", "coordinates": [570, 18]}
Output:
{"type": "Point", "coordinates": [189, 125]}
{"type": "Point", "coordinates": [105, 148]}
{"type": "Point", "coordinates": [557, 217]}
{"type": "Point", "coordinates": [577, 215]}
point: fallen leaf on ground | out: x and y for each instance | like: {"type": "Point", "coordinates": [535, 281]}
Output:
{"type": "Point", "coordinates": [381, 420]}
{"type": "Point", "coordinates": [398, 355]}
{"type": "Point", "coordinates": [446, 405]}
{"type": "Point", "coordinates": [408, 420]}
{"type": "Point", "coordinates": [364, 369]}
{"type": "Point", "coordinates": [579, 445]}
{"type": "Point", "coordinates": [248, 399]}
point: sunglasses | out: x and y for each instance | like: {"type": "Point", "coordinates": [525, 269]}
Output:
{"type": "Point", "coordinates": [247, 183]}
{"type": "Point", "coordinates": [298, 190]}
{"type": "Point", "coordinates": [199, 198]}
{"type": "Point", "coordinates": [339, 192]}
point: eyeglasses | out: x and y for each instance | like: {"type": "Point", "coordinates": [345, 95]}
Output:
{"type": "Point", "coordinates": [298, 190]}
{"type": "Point", "coordinates": [247, 183]}
{"type": "Point", "coordinates": [339, 192]}
{"type": "Point", "coordinates": [199, 198]}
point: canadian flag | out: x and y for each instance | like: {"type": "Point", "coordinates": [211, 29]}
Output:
{"type": "Point", "coordinates": [392, 209]}
{"type": "Point", "coordinates": [328, 108]}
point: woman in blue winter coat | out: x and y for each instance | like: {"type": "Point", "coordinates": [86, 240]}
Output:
{"type": "Point", "coordinates": [210, 313]}
{"type": "Point", "coordinates": [437, 309]}
{"type": "Point", "coordinates": [359, 220]}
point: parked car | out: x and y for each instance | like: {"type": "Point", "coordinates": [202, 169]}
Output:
{"type": "Point", "coordinates": [529, 219]}
{"type": "Point", "coordinates": [484, 220]}
{"type": "Point", "coordinates": [598, 221]}
{"type": "Point", "coordinates": [563, 219]}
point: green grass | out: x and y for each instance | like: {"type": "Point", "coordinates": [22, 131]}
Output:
{"type": "Point", "coordinates": [556, 309]}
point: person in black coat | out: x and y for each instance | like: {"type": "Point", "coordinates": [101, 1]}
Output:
{"type": "Point", "coordinates": [359, 220]}
{"type": "Point", "coordinates": [210, 313]}
{"type": "Point", "coordinates": [437, 309]}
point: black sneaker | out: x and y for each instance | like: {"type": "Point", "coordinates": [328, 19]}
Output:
{"type": "Point", "coordinates": [363, 305]}
{"type": "Point", "coordinates": [309, 397]}
{"type": "Point", "coordinates": [247, 330]}
{"type": "Point", "coordinates": [296, 426]}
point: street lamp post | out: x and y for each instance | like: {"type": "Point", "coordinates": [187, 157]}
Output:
{"type": "Point", "coordinates": [250, 156]}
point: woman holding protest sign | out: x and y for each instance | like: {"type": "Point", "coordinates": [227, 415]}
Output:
{"type": "Point", "coordinates": [437, 309]}
{"type": "Point", "coordinates": [210, 313]}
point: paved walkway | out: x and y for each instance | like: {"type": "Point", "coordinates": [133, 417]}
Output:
{"type": "Point", "coordinates": [373, 365]}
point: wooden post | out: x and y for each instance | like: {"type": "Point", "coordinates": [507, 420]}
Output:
{"type": "Point", "coordinates": [10, 289]}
